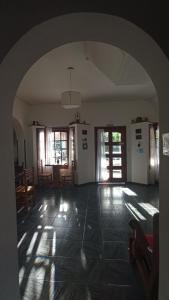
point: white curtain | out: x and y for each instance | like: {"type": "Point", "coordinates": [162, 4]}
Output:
{"type": "Point", "coordinates": [154, 156]}
{"type": "Point", "coordinates": [41, 149]}
{"type": "Point", "coordinates": [102, 173]}
{"type": "Point", "coordinates": [71, 146]}
{"type": "Point", "coordinates": [49, 147]}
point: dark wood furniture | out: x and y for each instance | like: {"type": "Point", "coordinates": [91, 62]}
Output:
{"type": "Point", "coordinates": [26, 190]}
{"type": "Point", "coordinates": [19, 171]}
{"type": "Point", "coordinates": [144, 253]}
{"type": "Point", "coordinates": [67, 174]}
{"type": "Point", "coordinates": [44, 177]}
{"type": "Point", "coordinates": [63, 174]}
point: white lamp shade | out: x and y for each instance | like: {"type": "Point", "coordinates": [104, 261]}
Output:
{"type": "Point", "coordinates": [70, 99]}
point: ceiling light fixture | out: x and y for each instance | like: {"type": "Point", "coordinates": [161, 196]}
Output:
{"type": "Point", "coordinates": [70, 99]}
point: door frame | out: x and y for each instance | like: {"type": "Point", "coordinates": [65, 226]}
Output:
{"type": "Point", "coordinates": [114, 128]}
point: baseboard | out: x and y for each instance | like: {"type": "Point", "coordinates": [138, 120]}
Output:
{"type": "Point", "coordinates": [86, 183]}
{"type": "Point", "coordinates": [138, 183]}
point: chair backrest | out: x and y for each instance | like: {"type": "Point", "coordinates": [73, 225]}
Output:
{"type": "Point", "coordinates": [67, 174]}
{"type": "Point", "coordinates": [40, 171]}
{"type": "Point", "coordinates": [29, 176]}
{"type": "Point", "coordinates": [18, 168]}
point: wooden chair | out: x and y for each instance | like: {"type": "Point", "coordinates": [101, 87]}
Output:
{"type": "Point", "coordinates": [43, 175]}
{"type": "Point", "coordinates": [67, 175]}
{"type": "Point", "coordinates": [26, 190]}
{"type": "Point", "coordinates": [144, 252]}
{"type": "Point", "coordinates": [19, 174]}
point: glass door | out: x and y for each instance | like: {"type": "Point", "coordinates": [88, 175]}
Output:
{"type": "Point", "coordinates": [118, 154]}
{"type": "Point", "coordinates": [114, 140]}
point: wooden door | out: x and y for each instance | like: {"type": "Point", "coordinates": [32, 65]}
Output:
{"type": "Point", "coordinates": [115, 153]}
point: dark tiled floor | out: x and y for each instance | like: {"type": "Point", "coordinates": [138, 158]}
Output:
{"type": "Point", "coordinates": [73, 244]}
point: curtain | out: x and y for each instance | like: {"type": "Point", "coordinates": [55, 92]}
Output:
{"type": "Point", "coordinates": [71, 146]}
{"type": "Point", "coordinates": [102, 172]}
{"type": "Point", "coordinates": [41, 149]}
{"type": "Point", "coordinates": [49, 147]}
{"type": "Point", "coordinates": [154, 156]}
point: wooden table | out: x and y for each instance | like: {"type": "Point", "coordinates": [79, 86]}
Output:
{"type": "Point", "coordinates": [56, 172]}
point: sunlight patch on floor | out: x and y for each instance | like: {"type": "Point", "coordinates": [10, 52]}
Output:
{"type": "Point", "coordinates": [150, 209]}
{"type": "Point", "coordinates": [32, 243]}
{"type": "Point", "coordinates": [128, 192]}
{"type": "Point", "coordinates": [138, 216]}
{"type": "Point", "coordinates": [22, 239]}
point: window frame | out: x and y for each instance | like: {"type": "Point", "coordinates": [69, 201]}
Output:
{"type": "Point", "coordinates": [62, 129]}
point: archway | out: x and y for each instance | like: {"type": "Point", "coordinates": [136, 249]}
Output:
{"type": "Point", "coordinates": [20, 141]}
{"type": "Point", "coordinates": [37, 42]}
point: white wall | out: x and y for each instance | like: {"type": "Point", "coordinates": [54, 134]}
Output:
{"type": "Point", "coordinates": [140, 154]}
{"type": "Point", "coordinates": [20, 141]}
{"type": "Point", "coordinates": [97, 114]}
{"type": "Point", "coordinates": [85, 160]}
{"type": "Point", "coordinates": [21, 111]}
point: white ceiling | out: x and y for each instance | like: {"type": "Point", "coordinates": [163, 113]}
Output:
{"type": "Point", "coordinates": [101, 73]}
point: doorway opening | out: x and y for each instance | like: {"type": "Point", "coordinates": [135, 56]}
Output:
{"type": "Point", "coordinates": [111, 163]}
{"type": "Point", "coordinates": [141, 55]}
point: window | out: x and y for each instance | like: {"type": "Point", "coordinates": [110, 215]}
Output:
{"type": "Point", "coordinates": [60, 146]}
{"type": "Point", "coordinates": [52, 146]}
{"type": "Point", "coordinates": [116, 137]}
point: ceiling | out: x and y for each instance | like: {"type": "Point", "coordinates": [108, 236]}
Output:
{"type": "Point", "coordinates": [101, 73]}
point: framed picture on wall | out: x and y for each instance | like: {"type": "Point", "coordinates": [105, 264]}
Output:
{"type": "Point", "coordinates": [165, 138]}
{"type": "Point", "coordinates": [84, 144]}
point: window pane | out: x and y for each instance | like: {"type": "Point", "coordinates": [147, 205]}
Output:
{"type": "Point", "coordinates": [106, 149]}
{"type": "Point", "coordinates": [117, 174]}
{"type": "Point", "coordinates": [58, 154]}
{"type": "Point", "coordinates": [63, 135]}
{"type": "Point", "coordinates": [116, 137]}
{"type": "Point", "coordinates": [64, 154]}
{"type": "Point", "coordinates": [60, 147]}
{"type": "Point", "coordinates": [57, 157]}
{"type": "Point", "coordinates": [107, 162]}
{"type": "Point", "coordinates": [105, 174]}
{"type": "Point", "coordinates": [106, 137]}
{"type": "Point", "coordinates": [64, 144]}
{"type": "Point", "coordinates": [116, 149]}
{"type": "Point", "coordinates": [57, 135]}
{"type": "Point", "coordinates": [64, 160]}
{"type": "Point", "coordinates": [57, 145]}
{"type": "Point", "coordinates": [117, 161]}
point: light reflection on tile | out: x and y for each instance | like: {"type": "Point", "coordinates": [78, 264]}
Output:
{"type": "Point", "coordinates": [150, 209]}
{"type": "Point", "coordinates": [76, 244]}
{"type": "Point", "coordinates": [32, 243]}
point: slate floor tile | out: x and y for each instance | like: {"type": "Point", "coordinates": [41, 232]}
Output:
{"type": "Point", "coordinates": [73, 244]}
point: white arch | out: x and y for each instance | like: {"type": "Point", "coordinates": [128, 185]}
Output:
{"type": "Point", "coordinates": [38, 41]}
{"type": "Point", "coordinates": [21, 138]}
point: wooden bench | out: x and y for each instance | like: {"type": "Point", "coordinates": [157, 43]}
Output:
{"type": "Point", "coordinates": [26, 190]}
